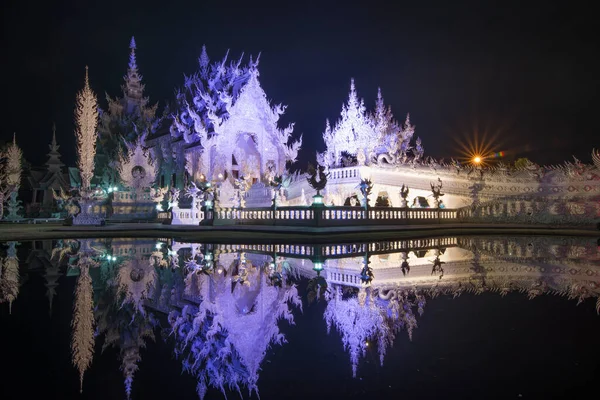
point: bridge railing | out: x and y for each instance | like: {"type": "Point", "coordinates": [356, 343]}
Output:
{"type": "Point", "coordinates": [338, 174]}
{"type": "Point", "coordinates": [332, 216]}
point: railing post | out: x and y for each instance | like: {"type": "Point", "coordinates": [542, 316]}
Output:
{"type": "Point", "coordinates": [317, 207]}
{"type": "Point", "coordinates": [209, 213]}
{"type": "Point", "coordinates": [317, 210]}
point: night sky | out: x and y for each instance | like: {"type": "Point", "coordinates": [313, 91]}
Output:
{"type": "Point", "coordinates": [522, 77]}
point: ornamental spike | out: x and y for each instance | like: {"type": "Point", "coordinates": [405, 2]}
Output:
{"type": "Point", "coordinates": [132, 60]}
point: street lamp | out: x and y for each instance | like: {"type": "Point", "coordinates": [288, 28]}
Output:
{"type": "Point", "coordinates": [318, 266]}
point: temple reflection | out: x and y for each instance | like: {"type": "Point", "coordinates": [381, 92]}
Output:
{"type": "Point", "coordinates": [220, 306]}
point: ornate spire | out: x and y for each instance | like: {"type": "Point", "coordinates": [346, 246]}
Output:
{"type": "Point", "coordinates": [133, 90]}
{"type": "Point", "coordinates": [355, 107]}
{"type": "Point", "coordinates": [14, 157]}
{"type": "Point", "coordinates": [86, 118]}
{"type": "Point", "coordinates": [54, 164]}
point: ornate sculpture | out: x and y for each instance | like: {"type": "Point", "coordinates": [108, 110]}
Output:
{"type": "Point", "coordinates": [137, 170]}
{"type": "Point", "coordinates": [318, 178]}
{"type": "Point", "coordinates": [436, 191]}
{"type": "Point", "coordinates": [365, 186]}
{"type": "Point", "coordinates": [277, 183]}
{"type": "Point", "coordinates": [418, 151]}
{"type": "Point", "coordinates": [366, 274]}
{"type": "Point", "coordinates": [242, 186]}
{"type": "Point", "coordinates": [404, 195]}
{"type": "Point", "coordinates": [14, 207]}
{"type": "Point", "coordinates": [437, 266]}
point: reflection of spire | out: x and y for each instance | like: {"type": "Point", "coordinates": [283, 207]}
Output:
{"type": "Point", "coordinates": [355, 323]}
{"type": "Point", "coordinates": [365, 317]}
{"type": "Point", "coordinates": [251, 332]}
{"type": "Point", "coordinates": [224, 339]}
{"type": "Point", "coordinates": [82, 343]}
{"type": "Point", "coordinates": [51, 276]}
{"type": "Point", "coordinates": [130, 358]}
{"type": "Point", "coordinates": [120, 315]}
{"type": "Point", "coordinates": [9, 284]}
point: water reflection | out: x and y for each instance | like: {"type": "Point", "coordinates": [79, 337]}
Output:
{"type": "Point", "coordinates": [221, 306]}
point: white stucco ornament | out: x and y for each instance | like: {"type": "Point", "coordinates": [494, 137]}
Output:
{"type": "Point", "coordinates": [137, 169]}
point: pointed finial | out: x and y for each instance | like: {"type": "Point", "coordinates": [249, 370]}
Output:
{"type": "Point", "coordinates": [87, 79]}
{"type": "Point", "coordinates": [54, 135]}
{"type": "Point", "coordinates": [132, 61]}
{"type": "Point", "coordinates": [15, 138]}
{"type": "Point", "coordinates": [254, 74]}
{"type": "Point", "coordinates": [407, 123]}
{"type": "Point", "coordinates": [204, 60]}
{"type": "Point", "coordinates": [352, 87]}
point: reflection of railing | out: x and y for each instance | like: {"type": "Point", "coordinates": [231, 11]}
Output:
{"type": "Point", "coordinates": [343, 278]}
{"type": "Point", "coordinates": [332, 216]}
{"type": "Point", "coordinates": [341, 250]}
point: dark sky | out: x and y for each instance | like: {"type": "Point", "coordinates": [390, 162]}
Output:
{"type": "Point", "coordinates": [522, 76]}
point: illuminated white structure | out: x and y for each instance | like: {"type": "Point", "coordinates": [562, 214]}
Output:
{"type": "Point", "coordinates": [373, 146]}
{"type": "Point", "coordinates": [226, 128]}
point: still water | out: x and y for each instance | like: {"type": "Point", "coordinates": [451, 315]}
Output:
{"type": "Point", "coordinates": [444, 317]}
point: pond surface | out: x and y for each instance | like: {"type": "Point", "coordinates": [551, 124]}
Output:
{"type": "Point", "coordinates": [441, 317]}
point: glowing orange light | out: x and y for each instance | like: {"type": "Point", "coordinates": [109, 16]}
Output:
{"type": "Point", "coordinates": [477, 159]}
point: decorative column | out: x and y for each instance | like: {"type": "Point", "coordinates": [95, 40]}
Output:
{"type": "Point", "coordinates": [14, 157]}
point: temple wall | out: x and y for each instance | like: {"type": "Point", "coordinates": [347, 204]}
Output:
{"type": "Point", "coordinates": [558, 196]}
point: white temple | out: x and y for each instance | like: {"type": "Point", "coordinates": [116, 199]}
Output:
{"type": "Point", "coordinates": [222, 143]}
